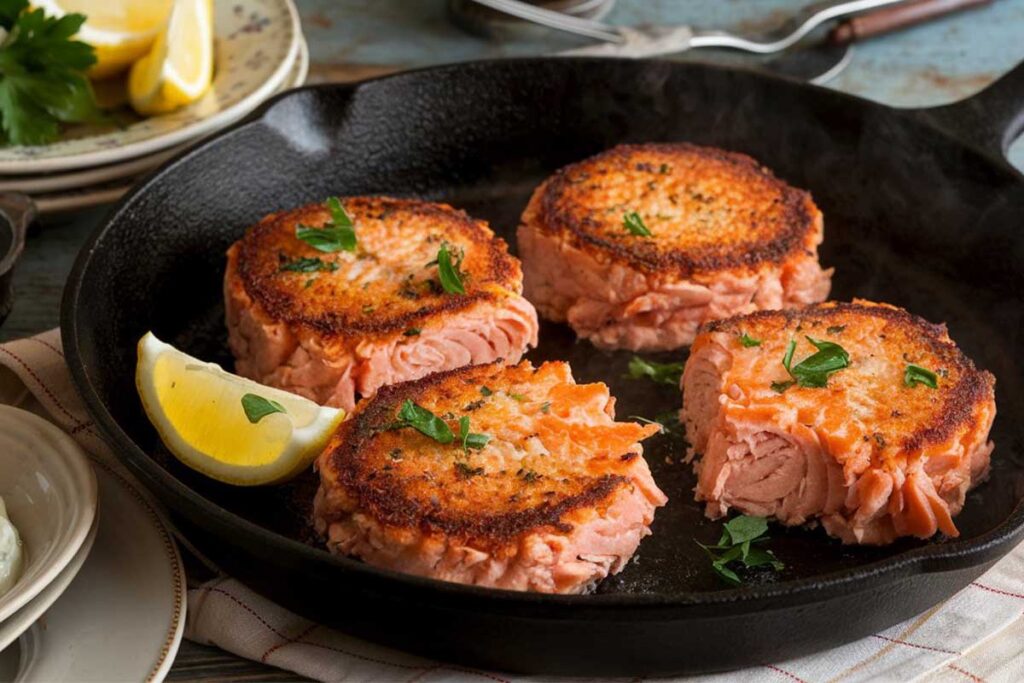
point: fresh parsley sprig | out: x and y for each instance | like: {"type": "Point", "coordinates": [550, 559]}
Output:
{"type": "Point", "coordinates": [814, 370]}
{"type": "Point", "coordinates": [737, 546]}
{"type": "Point", "coordinates": [662, 373]}
{"type": "Point", "coordinates": [42, 74]}
{"type": "Point", "coordinates": [338, 234]}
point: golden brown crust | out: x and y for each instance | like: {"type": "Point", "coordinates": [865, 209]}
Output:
{"type": "Point", "coordinates": [708, 210]}
{"type": "Point", "coordinates": [404, 479]}
{"type": "Point", "coordinates": [916, 416]}
{"type": "Point", "coordinates": [386, 286]}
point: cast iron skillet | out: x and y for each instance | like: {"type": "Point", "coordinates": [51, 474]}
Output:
{"type": "Point", "coordinates": [921, 211]}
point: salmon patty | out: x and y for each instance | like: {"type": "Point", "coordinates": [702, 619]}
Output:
{"type": "Point", "coordinates": [637, 246]}
{"type": "Point", "coordinates": [319, 312]}
{"type": "Point", "coordinates": [859, 415]}
{"type": "Point", "coordinates": [510, 477]}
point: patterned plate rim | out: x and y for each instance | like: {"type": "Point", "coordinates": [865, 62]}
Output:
{"type": "Point", "coordinates": [195, 129]}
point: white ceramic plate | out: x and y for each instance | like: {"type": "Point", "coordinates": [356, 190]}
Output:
{"type": "Point", "coordinates": [82, 198]}
{"type": "Point", "coordinates": [55, 182]}
{"type": "Point", "coordinates": [82, 189]}
{"type": "Point", "coordinates": [50, 491]}
{"type": "Point", "coordinates": [19, 622]}
{"type": "Point", "coordinates": [301, 68]}
{"type": "Point", "coordinates": [256, 43]}
{"type": "Point", "coordinates": [122, 617]}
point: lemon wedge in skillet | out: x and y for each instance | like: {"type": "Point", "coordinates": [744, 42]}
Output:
{"type": "Point", "coordinates": [227, 427]}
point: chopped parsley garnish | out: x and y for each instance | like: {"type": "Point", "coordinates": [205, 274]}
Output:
{"type": "Point", "coordinates": [486, 391]}
{"type": "Point", "coordinates": [336, 235]}
{"type": "Point", "coordinates": [747, 341]}
{"type": "Point", "coordinates": [256, 407]}
{"type": "Point", "coordinates": [736, 546]}
{"type": "Point", "coordinates": [915, 374]}
{"type": "Point", "coordinates": [468, 438]}
{"type": "Point", "coordinates": [309, 282]}
{"type": "Point", "coordinates": [814, 370]}
{"type": "Point", "coordinates": [308, 265]}
{"type": "Point", "coordinates": [412, 332]}
{"type": "Point", "coordinates": [545, 407]}
{"type": "Point", "coordinates": [632, 222]}
{"type": "Point", "coordinates": [662, 373]}
{"type": "Point", "coordinates": [428, 424]}
{"type": "Point", "coordinates": [529, 476]}
{"type": "Point", "coordinates": [424, 421]}
{"type": "Point", "coordinates": [835, 329]}
{"type": "Point", "coordinates": [466, 471]}
{"type": "Point", "coordinates": [449, 272]}
{"type": "Point", "coordinates": [517, 397]}
{"type": "Point", "coordinates": [663, 169]}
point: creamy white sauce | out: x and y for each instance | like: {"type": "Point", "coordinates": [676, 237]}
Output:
{"type": "Point", "coordinates": [11, 554]}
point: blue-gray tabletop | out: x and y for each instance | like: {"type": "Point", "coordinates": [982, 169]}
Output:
{"type": "Point", "coordinates": [932, 64]}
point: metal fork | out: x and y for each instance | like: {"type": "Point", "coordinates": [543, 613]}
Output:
{"type": "Point", "coordinates": [684, 37]}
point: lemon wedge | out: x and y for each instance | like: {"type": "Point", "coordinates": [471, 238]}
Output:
{"type": "Point", "coordinates": [227, 427]}
{"type": "Point", "coordinates": [121, 31]}
{"type": "Point", "coordinates": [178, 69]}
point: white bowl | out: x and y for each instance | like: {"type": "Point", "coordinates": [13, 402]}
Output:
{"type": "Point", "coordinates": [13, 626]}
{"type": "Point", "coordinates": [50, 491]}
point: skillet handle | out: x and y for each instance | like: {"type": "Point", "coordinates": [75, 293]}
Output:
{"type": "Point", "coordinates": [990, 120]}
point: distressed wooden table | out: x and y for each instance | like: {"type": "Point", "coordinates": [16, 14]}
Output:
{"type": "Point", "coordinates": [353, 39]}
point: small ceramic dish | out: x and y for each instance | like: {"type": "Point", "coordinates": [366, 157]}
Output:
{"type": "Point", "coordinates": [123, 616]}
{"type": "Point", "coordinates": [256, 43]}
{"type": "Point", "coordinates": [49, 488]}
{"type": "Point", "coordinates": [13, 626]}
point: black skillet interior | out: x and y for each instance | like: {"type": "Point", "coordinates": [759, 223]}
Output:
{"type": "Point", "coordinates": [913, 217]}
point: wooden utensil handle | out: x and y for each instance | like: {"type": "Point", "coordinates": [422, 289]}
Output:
{"type": "Point", "coordinates": [899, 16]}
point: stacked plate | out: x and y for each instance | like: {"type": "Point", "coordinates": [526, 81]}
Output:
{"type": "Point", "coordinates": [50, 493]}
{"type": "Point", "coordinates": [259, 51]}
{"type": "Point", "coordinates": [101, 575]}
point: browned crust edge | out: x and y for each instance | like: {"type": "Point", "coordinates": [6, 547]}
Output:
{"type": "Point", "coordinates": [961, 402]}
{"type": "Point", "coordinates": [800, 222]}
{"type": "Point", "coordinates": [504, 270]}
{"type": "Point", "coordinates": [381, 495]}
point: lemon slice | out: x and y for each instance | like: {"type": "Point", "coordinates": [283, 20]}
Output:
{"type": "Point", "coordinates": [178, 69]}
{"type": "Point", "coordinates": [205, 417]}
{"type": "Point", "coordinates": [120, 30]}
